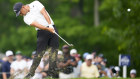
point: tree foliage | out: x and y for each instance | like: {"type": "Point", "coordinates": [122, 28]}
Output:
{"type": "Point", "coordinates": [118, 32]}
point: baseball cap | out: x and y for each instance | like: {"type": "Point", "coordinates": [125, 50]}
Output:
{"type": "Point", "coordinates": [89, 57]}
{"type": "Point", "coordinates": [117, 68]}
{"type": "Point", "coordinates": [34, 52]}
{"type": "Point", "coordinates": [73, 51]}
{"type": "Point", "coordinates": [9, 53]}
{"type": "Point", "coordinates": [101, 55]}
{"type": "Point", "coordinates": [85, 54]}
{"type": "Point", "coordinates": [18, 53]}
{"type": "Point", "coordinates": [17, 7]}
{"type": "Point", "coordinates": [133, 71]}
{"type": "Point", "coordinates": [105, 60]}
{"type": "Point", "coordinates": [65, 47]}
{"type": "Point", "coordinates": [60, 52]}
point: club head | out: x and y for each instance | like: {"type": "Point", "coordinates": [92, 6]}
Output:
{"type": "Point", "coordinates": [71, 45]}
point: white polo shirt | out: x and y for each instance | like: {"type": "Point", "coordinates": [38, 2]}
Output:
{"type": "Point", "coordinates": [35, 15]}
{"type": "Point", "coordinates": [16, 65]}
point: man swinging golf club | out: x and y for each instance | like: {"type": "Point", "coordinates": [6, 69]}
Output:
{"type": "Point", "coordinates": [34, 14]}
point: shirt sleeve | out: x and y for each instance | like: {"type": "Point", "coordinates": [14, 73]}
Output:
{"type": "Point", "coordinates": [4, 67]}
{"type": "Point", "coordinates": [39, 5]}
{"type": "Point", "coordinates": [28, 20]}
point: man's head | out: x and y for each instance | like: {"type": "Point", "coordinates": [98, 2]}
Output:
{"type": "Point", "coordinates": [133, 73]}
{"type": "Point", "coordinates": [9, 54]}
{"type": "Point", "coordinates": [20, 9]}
{"type": "Point", "coordinates": [100, 58]}
{"type": "Point", "coordinates": [89, 60]}
{"type": "Point", "coordinates": [73, 52]}
{"type": "Point", "coordinates": [33, 54]}
{"type": "Point", "coordinates": [60, 54]}
{"type": "Point", "coordinates": [65, 49]}
{"type": "Point", "coordinates": [18, 55]}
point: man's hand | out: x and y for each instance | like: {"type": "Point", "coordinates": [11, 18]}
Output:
{"type": "Point", "coordinates": [51, 30]}
{"type": "Point", "coordinates": [69, 61]}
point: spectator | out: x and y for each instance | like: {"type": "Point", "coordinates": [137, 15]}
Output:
{"type": "Point", "coordinates": [100, 66]}
{"type": "Point", "coordinates": [60, 55]}
{"type": "Point", "coordinates": [117, 69]}
{"type": "Point", "coordinates": [77, 69]}
{"type": "Point", "coordinates": [88, 70]}
{"type": "Point", "coordinates": [18, 67]}
{"type": "Point", "coordinates": [103, 67]}
{"type": "Point", "coordinates": [133, 73]}
{"type": "Point", "coordinates": [95, 60]}
{"type": "Point", "coordinates": [94, 57]}
{"type": "Point", "coordinates": [73, 52]}
{"type": "Point", "coordinates": [67, 64]}
{"type": "Point", "coordinates": [1, 62]}
{"type": "Point", "coordinates": [39, 69]}
{"type": "Point", "coordinates": [110, 71]}
{"type": "Point", "coordinates": [6, 65]}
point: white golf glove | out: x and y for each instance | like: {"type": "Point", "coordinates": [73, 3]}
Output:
{"type": "Point", "coordinates": [51, 26]}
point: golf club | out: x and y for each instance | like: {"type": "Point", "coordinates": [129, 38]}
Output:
{"type": "Point", "coordinates": [64, 40]}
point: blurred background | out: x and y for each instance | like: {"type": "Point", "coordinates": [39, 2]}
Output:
{"type": "Point", "coordinates": [110, 27]}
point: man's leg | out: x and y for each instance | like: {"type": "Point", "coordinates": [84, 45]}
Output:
{"type": "Point", "coordinates": [42, 43]}
{"type": "Point", "coordinates": [54, 44]}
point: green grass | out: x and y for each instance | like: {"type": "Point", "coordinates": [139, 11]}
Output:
{"type": "Point", "coordinates": [93, 78]}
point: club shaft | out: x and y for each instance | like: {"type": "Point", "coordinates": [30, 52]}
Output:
{"type": "Point", "coordinates": [62, 39]}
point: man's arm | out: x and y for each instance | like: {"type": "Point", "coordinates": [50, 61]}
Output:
{"type": "Point", "coordinates": [4, 75]}
{"type": "Point", "coordinates": [36, 24]}
{"type": "Point", "coordinates": [74, 63]}
{"type": "Point", "coordinates": [62, 65]}
{"type": "Point", "coordinates": [45, 14]}
{"type": "Point", "coordinates": [4, 71]}
{"type": "Point", "coordinates": [12, 71]}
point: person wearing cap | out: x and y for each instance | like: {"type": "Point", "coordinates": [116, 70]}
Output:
{"type": "Point", "coordinates": [79, 63]}
{"type": "Point", "coordinates": [60, 55]}
{"type": "Point", "coordinates": [133, 73]}
{"type": "Point", "coordinates": [100, 58]}
{"type": "Point", "coordinates": [67, 64]}
{"type": "Point", "coordinates": [84, 55]}
{"type": "Point", "coordinates": [18, 66]}
{"type": "Point", "coordinates": [73, 52]}
{"type": "Point", "coordinates": [104, 69]}
{"type": "Point", "coordinates": [88, 70]}
{"type": "Point", "coordinates": [35, 14]}
{"type": "Point", "coordinates": [6, 65]}
{"type": "Point", "coordinates": [101, 67]}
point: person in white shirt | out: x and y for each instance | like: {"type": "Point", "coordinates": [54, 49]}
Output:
{"type": "Point", "coordinates": [35, 14]}
{"type": "Point", "coordinates": [18, 67]}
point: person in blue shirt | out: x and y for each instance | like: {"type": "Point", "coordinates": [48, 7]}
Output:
{"type": "Point", "coordinates": [6, 65]}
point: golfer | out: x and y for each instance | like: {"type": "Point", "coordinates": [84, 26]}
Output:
{"type": "Point", "coordinates": [34, 14]}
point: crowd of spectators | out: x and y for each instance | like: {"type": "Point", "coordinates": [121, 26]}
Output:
{"type": "Point", "coordinates": [70, 65]}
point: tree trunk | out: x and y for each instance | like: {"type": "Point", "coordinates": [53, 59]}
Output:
{"type": "Point", "coordinates": [96, 12]}
{"type": "Point", "coordinates": [81, 6]}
